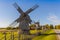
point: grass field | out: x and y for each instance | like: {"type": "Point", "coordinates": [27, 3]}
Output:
{"type": "Point", "coordinates": [46, 37]}
{"type": "Point", "coordinates": [9, 34]}
{"type": "Point", "coordinates": [41, 37]}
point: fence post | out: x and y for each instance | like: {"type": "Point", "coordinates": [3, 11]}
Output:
{"type": "Point", "coordinates": [19, 35]}
{"type": "Point", "coordinates": [5, 35]}
{"type": "Point", "coordinates": [12, 35]}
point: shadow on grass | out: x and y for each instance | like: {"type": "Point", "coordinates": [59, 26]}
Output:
{"type": "Point", "coordinates": [51, 34]}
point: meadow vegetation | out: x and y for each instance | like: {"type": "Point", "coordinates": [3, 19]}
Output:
{"type": "Point", "coordinates": [46, 37]}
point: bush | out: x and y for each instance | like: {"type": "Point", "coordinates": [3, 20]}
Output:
{"type": "Point", "coordinates": [9, 28]}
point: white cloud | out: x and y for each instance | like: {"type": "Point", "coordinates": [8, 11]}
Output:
{"type": "Point", "coordinates": [53, 18]}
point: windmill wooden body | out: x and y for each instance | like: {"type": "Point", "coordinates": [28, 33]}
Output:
{"type": "Point", "coordinates": [24, 19]}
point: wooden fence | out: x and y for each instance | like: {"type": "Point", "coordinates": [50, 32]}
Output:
{"type": "Point", "coordinates": [13, 35]}
{"type": "Point", "coordinates": [9, 35]}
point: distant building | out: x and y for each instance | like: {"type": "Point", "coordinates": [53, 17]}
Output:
{"type": "Point", "coordinates": [37, 25]}
{"type": "Point", "coordinates": [34, 26]}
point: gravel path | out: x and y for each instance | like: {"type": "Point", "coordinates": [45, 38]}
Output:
{"type": "Point", "coordinates": [58, 34]}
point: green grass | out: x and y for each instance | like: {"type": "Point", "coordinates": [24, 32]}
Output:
{"type": "Point", "coordinates": [41, 37]}
{"type": "Point", "coordinates": [8, 35]}
{"type": "Point", "coordinates": [35, 31]}
{"type": "Point", "coordinates": [46, 37]}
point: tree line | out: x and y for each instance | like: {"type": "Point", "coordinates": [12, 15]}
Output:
{"type": "Point", "coordinates": [33, 26]}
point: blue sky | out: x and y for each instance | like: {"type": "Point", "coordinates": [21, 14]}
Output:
{"type": "Point", "coordinates": [47, 13]}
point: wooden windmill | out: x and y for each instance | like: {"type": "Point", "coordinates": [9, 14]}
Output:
{"type": "Point", "coordinates": [24, 18]}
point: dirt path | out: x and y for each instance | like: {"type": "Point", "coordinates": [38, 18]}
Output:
{"type": "Point", "coordinates": [58, 34]}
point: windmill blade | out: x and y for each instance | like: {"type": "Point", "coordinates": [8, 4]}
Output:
{"type": "Point", "coordinates": [18, 8]}
{"type": "Point", "coordinates": [14, 23]}
{"type": "Point", "coordinates": [31, 9]}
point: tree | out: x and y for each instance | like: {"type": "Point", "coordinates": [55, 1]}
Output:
{"type": "Point", "coordinates": [47, 26]}
{"type": "Point", "coordinates": [57, 26]}
{"type": "Point", "coordinates": [51, 26]}
{"type": "Point", "coordinates": [9, 28]}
